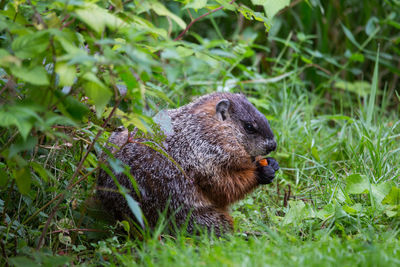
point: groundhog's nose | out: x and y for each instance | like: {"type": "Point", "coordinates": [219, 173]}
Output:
{"type": "Point", "coordinates": [271, 145]}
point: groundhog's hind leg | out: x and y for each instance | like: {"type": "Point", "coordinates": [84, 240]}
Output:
{"type": "Point", "coordinates": [210, 218]}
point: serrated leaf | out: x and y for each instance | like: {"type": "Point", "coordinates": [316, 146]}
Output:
{"type": "Point", "coordinates": [357, 184]}
{"type": "Point", "coordinates": [31, 45]}
{"type": "Point", "coordinates": [36, 75]}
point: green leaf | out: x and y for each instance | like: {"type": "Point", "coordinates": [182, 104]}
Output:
{"type": "Point", "coordinates": [23, 180]}
{"type": "Point", "coordinates": [271, 7]}
{"type": "Point", "coordinates": [3, 176]}
{"type": "Point", "coordinates": [23, 262]}
{"type": "Point", "coordinates": [380, 191]}
{"type": "Point", "coordinates": [350, 36]}
{"type": "Point", "coordinates": [97, 92]}
{"type": "Point", "coordinates": [357, 184]}
{"type": "Point", "coordinates": [328, 211]}
{"type": "Point", "coordinates": [31, 45]}
{"type": "Point", "coordinates": [22, 117]}
{"type": "Point", "coordinates": [297, 212]}
{"type": "Point", "coordinates": [357, 57]}
{"type": "Point", "coordinates": [125, 225]}
{"type": "Point", "coordinates": [161, 10]}
{"type": "Point", "coordinates": [371, 25]}
{"type": "Point", "coordinates": [6, 59]}
{"type": "Point", "coordinates": [134, 207]}
{"type": "Point", "coordinates": [184, 51]}
{"type": "Point", "coordinates": [22, 145]}
{"type": "Point", "coordinates": [355, 209]}
{"type": "Point", "coordinates": [73, 108]}
{"type": "Point", "coordinates": [339, 118]}
{"type": "Point", "coordinates": [362, 88]}
{"type": "Point", "coordinates": [98, 18]}
{"type": "Point", "coordinates": [118, 4]}
{"type": "Point", "coordinates": [100, 96]}
{"type": "Point", "coordinates": [64, 239]}
{"type": "Point", "coordinates": [314, 152]}
{"type": "Point", "coordinates": [36, 75]}
{"type": "Point", "coordinates": [40, 170]}
{"type": "Point", "coordinates": [393, 198]}
{"type": "Point", "coordinates": [67, 73]}
{"type": "Point", "coordinates": [196, 4]}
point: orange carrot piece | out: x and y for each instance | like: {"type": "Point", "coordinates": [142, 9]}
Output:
{"type": "Point", "coordinates": [263, 162]}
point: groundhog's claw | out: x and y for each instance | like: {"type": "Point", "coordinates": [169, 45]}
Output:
{"type": "Point", "coordinates": [266, 174]}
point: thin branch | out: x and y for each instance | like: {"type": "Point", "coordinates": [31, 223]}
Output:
{"type": "Point", "coordinates": [294, 3]}
{"type": "Point", "coordinates": [77, 230]}
{"type": "Point", "coordinates": [66, 24]}
{"type": "Point", "coordinates": [37, 14]}
{"type": "Point", "coordinates": [319, 67]}
{"type": "Point", "coordinates": [199, 18]}
{"type": "Point", "coordinates": [3, 249]}
{"type": "Point", "coordinates": [71, 181]}
{"type": "Point", "coordinates": [12, 138]}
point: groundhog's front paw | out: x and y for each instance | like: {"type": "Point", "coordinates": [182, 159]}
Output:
{"type": "Point", "coordinates": [265, 174]}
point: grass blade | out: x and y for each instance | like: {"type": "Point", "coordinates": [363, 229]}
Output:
{"type": "Point", "coordinates": [374, 88]}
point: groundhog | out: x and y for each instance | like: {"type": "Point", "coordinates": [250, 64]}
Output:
{"type": "Point", "coordinates": [214, 142]}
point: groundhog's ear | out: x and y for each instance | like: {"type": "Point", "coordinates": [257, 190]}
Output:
{"type": "Point", "coordinates": [222, 109]}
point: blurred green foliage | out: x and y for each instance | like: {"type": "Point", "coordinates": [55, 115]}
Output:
{"type": "Point", "coordinates": [72, 71]}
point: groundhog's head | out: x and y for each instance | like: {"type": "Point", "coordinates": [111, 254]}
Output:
{"type": "Point", "coordinates": [251, 127]}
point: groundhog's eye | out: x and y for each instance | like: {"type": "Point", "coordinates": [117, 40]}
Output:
{"type": "Point", "coordinates": [249, 128]}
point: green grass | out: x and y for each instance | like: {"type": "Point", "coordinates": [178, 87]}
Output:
{"type": "Point", "coordinates": [324, 221]}
{"type": "Point", "coordinates": [317, 153]}
{"type": "Point", "coordinates": [334, 227]}
{"type": "Point", "coordinates": [271, 249]}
